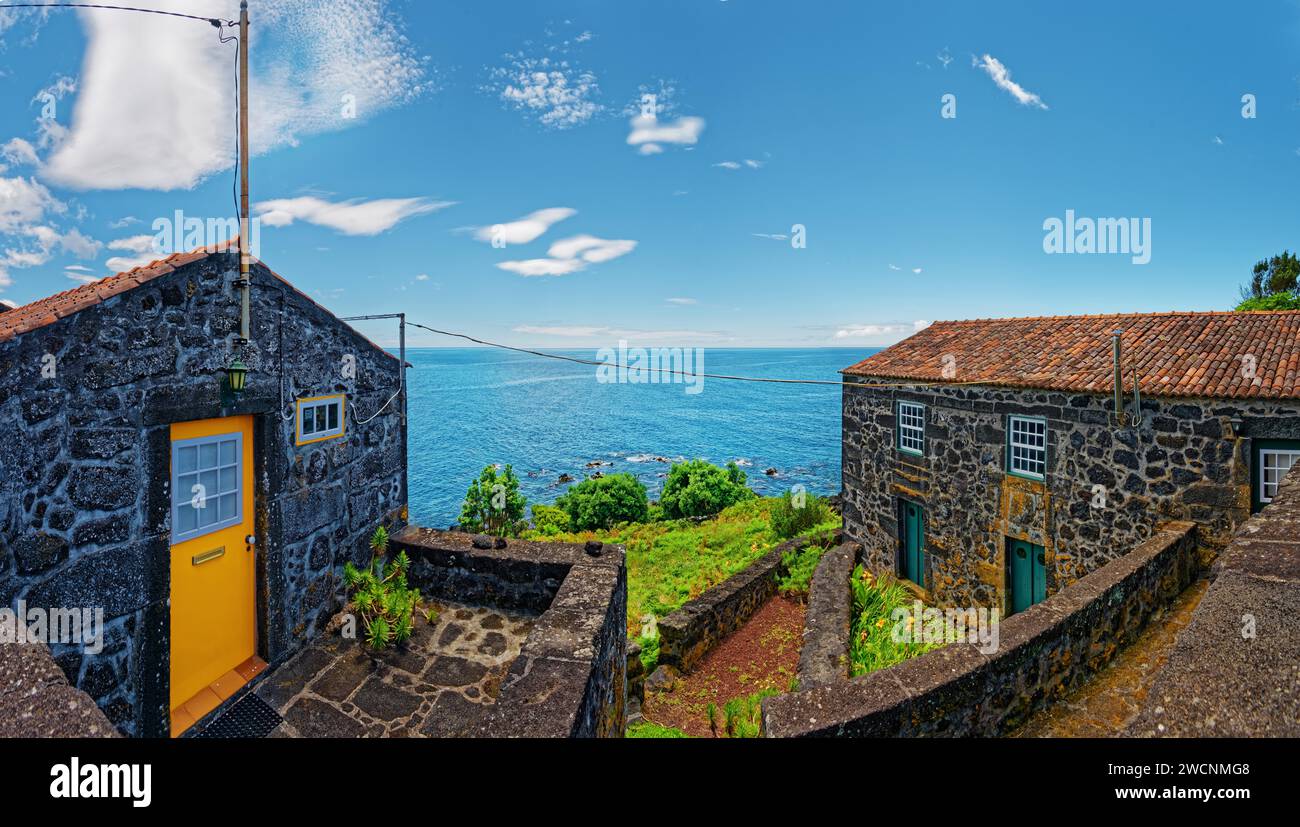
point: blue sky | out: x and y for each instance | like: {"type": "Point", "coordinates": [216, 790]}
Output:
{"type": "Point", "coordinates": [768, 115]}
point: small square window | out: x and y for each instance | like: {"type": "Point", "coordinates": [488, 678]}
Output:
{"type": "Point", "coordinates": [320, 417]}
{"type": "Point", "coordinates": [1027, 447]}
{"type": "Point", "coordinates": [911, 427]}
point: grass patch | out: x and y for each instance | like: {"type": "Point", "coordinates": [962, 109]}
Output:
{"type": "Point", "coordinates": [673, 561]}
{"type": "Point", "coordinates": [800, 565]}
{"type": "Point", "coordinates": [743, 717]}
{"type": "Point", "coordinates": [871, 643]}
{"type": "Point", "coordinates": [645, 729]}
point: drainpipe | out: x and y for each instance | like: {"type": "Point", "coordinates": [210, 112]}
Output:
{"type": "Point", "coordinates": [244, 331]}
{"type": "Point", "coordinates": [1119, 377]}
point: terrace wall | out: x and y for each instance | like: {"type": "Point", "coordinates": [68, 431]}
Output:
{"type": "Point", "coordinates": [1044, 653]}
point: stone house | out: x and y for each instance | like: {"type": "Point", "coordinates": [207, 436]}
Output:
{"type": "Point", "coordinates": [992, 463]}
{"type": "Point", "coordinates": [209, 526]}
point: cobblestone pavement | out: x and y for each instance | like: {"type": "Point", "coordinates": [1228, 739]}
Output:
{"type": "Point", "coordinates": [436, 684]}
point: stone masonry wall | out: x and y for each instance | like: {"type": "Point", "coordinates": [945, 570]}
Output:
{"type": "Point", "coordinates": [85, 457]}
{"type": "Point", "coordinates": [1043, 654]}
{"type": "Point", "coordinates": [1187, 460]}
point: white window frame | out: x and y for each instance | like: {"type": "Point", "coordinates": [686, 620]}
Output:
{"type": "Point", "coordinates": [1264, 467]}
{"type": "Point", "coordinates": [184, 495]}
{"type": "Point", "coordinates": [911, 435]}
{"type": "Point", "coordinates": [309, 406]}
{"type": "Point", "coordinates": [1025, 454]}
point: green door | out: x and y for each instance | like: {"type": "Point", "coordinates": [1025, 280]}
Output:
{"type": "Point", "coordinates": [1028, 574]}
{"type": "Point", "coordinates": [913, 543]}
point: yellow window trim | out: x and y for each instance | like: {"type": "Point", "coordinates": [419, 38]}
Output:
{"type": "Point", "coordinates": [297, 418]}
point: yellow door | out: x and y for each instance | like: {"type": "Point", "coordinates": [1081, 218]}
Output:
{"type": "Point", "coordinates": [212, 573]}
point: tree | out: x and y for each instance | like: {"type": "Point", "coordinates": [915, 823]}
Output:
{"type": "Point", "coordinates": [701, 489]}
{"type": "Point", "coordinates": [493, 504]}
{"type": "Point", "coordinates": [602, 502]}
{"type": "Point", "coordinates": [1273, 284]}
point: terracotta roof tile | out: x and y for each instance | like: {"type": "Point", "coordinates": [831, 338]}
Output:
{"type": "Point", "coordinates": [47, 311]}
{"type": "Point", "coordinates": [1176, 354]}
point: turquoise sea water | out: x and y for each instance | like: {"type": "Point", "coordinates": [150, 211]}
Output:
{"type": "Point", "coordinates": [475, 406]}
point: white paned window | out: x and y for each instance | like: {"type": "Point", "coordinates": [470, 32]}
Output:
{"type": "Point", "coordinates": [911, 427]}
{"type": "Point", "coordinates": [1273, 465]}
{"type": "Point", "coordinates": [1027, 446]}
{"type": "Point", "coordinates": [206, 475]}
{"type": "Point", "coordinates": [320, 418]}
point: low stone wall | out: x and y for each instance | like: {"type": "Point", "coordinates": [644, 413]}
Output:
{"type": "Point", "coordinates": [824, 657]}
{"type": "Point", "coordinates": [1232, 671]}
{"type": "Point", "coordinates": [1044, 653]}
{"type": "Point", "coordinates": [36, 700]}
{"type": "Point", "coordinates": [689, 633]}
{"type": "Point", "coordinates": [570, 677]}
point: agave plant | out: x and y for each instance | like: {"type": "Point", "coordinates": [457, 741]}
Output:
{"type": "Point", "coordinates": [381, 595]}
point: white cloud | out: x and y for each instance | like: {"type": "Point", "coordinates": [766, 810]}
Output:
{"type": "Point", "coordinates": [752, 164]}
{"type": "Point", "coordinates": [677, 300]}
{"type": "Point", "coordinates": [921, 324]}
{"type": "Point", "coordinates": [6, 302]}
{"type": "Point", "coordinates": [916, 270]}
{"type": "Point", "coordinates": [648, 131]}
{"type": "Point", "coordinates": [124, 221]}
{"type": "Point", "coordinates": [1002, 78]}
{"type": "Point", "coordinates": [591, 249]}
{"type": "Point", "coordinates": [18, 151]}
{"type": "Point", "coordinates": [354, 217]}
{"type": "Point", "coordinates": [554, 91]}
{"type": "Point", "coordinates": [570, 255]}
{"type": "Point", "coordinates": [542, 267]}
{"type": "Point", "coordinates": [525, 229]}
{"type": "Point", "coordinates": [24, 201]}
{"type": "Point", "coordinates": [650, 149]}
{"type": "Point", "coordinates": [120, 264]}
{"type": "Point", "coordinates": [134, 244]}
{"type": "Point", "coordinates": [895, 267]}
{"type": "Point", "coordinates": [871, 331]}
{"type": "Point", "coordinates": [79, 245]}
{"type": "Point", "coordinates": [632, 335]}
{"type": "Point", "coordinates": [422, 277]}
{"type": "Point", "coordinates": [728, 164]}
{"type": "Point", "coordinates": [159, 117]}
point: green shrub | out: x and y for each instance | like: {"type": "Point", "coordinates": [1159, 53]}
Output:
{"type": "Point", "coordinates": [645, 729]}
{"type": "Point", "coordinates": [871, 642]}
{"type": "Point", "coordinates": [743, 717]}
{"type": "Point", "coordinates": [603, 502]}
{"type": "Point", "coordinates": [380, 595]}
{"type": "Point", "coordinates": [1276, 301]}
{"type": "Point", "coordinates": [800, 565]}
{"type": "Point", "coordinates": [550, 520]}
{"type": "Point", "coordinates": [701, 489]}
{"type": "Point", "coordinates": [649, 651]}
{"type": "Point", "coordinates": [793, 514]}
{"type": "Point", "coordinates": [493, 504]}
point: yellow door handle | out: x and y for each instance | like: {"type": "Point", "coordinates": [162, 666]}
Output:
{"type": "Point", "coordinates": [200, 559]}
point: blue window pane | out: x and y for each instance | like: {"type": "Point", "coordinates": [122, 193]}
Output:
{"type": "Point", "coordinates": [187, 459]}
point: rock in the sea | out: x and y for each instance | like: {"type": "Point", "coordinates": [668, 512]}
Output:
{"type": "Point", "coordinates": [771, 472]}
{"type": "Point", "coordinates": [565, 478]}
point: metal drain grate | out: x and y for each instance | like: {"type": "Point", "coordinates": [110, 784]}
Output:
{"type": "Point", "coordinates": [250, 717]}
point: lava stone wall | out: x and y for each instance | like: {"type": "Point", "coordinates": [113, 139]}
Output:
{"type": "Point", "coordinates": [1186, 460]}
{"type": "Point", "coordinates": [85, 457]}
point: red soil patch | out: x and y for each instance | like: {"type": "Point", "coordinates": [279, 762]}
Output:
{"type": "Point", "coordinates": [764, 653]}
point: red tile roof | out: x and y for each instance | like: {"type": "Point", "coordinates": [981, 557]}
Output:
{"type": "Point", "coordinates": [46, 311]}
{"type": "Point", "coordinates": [37, 314]}
{"type": "Point", "coordinates": [1176, 354]}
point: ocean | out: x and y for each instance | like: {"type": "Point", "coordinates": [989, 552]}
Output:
{"type": "Point", "coordinates": [471, 407]}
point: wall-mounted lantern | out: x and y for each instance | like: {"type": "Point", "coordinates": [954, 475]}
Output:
{"type": "Point", "coordinates": [236, 376]}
